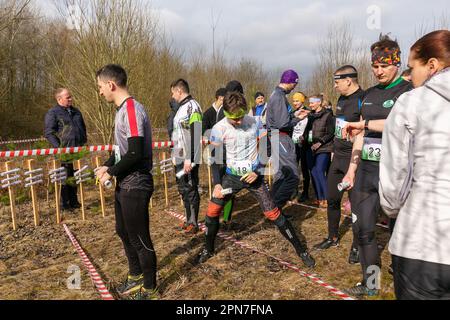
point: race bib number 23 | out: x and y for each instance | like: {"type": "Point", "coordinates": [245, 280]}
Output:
{"type": "Point", "coordinates": [371, 149]}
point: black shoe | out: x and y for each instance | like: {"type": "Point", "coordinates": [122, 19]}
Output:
{"type": "Point", "coordinates": [327, 244]}
{"type": "Point", "coordinates": [361, 291]}
{"type": "Point", "coordinates": [303, 198]}
{"type": "Point", "coordinates": [354, 256]}
{"type": "Point", "coordinates": [76, 205]}
{"type": "Point", "coordinates": [131, 285]}
{"type": "Point", "coordinates": [204, 256]}
{"type": "Point", "coordinates": [307, 259]}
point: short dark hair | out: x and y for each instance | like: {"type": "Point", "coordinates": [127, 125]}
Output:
{"type": "Point", "coordinates": [406, 73]}
{"type": "Point", "coordinates": [233, 101]}
{"type": "Point", "coordinates": [113, 72]}
{"type": "Point", "coordinates": [221, 93]}
{"type": "Point", "coordinates": [346, 69]}
{"type": "Point", "coordinates": [235, 86]}
{"type": "Point", "coordinates": [385, 42]}
{"type": "Point", "coordinates": [181, 84]}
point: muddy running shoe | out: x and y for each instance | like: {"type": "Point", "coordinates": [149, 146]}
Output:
{"type": "Point", "coordinates": [191, 229]}
{"type": "Point", "coordinates": [353, 258]}
{"type": "Point", "coordinates": [327, 244]}
{"type": "Point", "coordinates": [183, 226]}
{"type": "Point", "coordinates": [145, 294]}
{"type": "Point", "coordinates": [307, 259]}
{"type": "Point", "coordinates": [323, 204]}
{"type": "Point", "coordinates": [361, 291]}
{"type": "Point", "coordinates": [204, 256]}
{"type": "Point", "coordinates": [131, 285]}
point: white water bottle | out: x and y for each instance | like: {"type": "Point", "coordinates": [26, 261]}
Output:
{"type": "Point", "coordinates": [182, 173]}
{"type": "Point", "coordinates": [343, 186]}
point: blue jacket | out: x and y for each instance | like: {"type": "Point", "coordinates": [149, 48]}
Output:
{"type": "Point", "coordinates": [65, 127]}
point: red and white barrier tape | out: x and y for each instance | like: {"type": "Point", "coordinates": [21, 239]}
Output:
{"type": "Point", "coordinates": [96, 279]}
{"type": "Point", "coordinates": [22, 141]}
{"type": "Point", "coordinates": [48, 152]}
{"type": "Point", "coordinates": [315, 279]}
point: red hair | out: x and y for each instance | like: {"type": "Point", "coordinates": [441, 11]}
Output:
{"type": "Point", "coordinates": [433, 45]}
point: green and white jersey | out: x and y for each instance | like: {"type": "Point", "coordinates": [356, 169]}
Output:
{"type": "Point", "coordinates": [240, 143]}
{"type": "Point", "coordinates": [188, 113]}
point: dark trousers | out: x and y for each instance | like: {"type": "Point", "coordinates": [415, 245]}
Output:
{"type": "Point", "coordinates": [306, 175]}
{"type": "Point", "coordinates": [188, 189]}
{"type": "Point", "coordinates": [420, 280]}
{"type": "Point", "coordinates": [132, 226]}
{"type": "Point", "coordinates": [286, 178]}
{"type": "Point", "coordinates": [68, 192]}
{"type": "Point", "coordinates": [319, 168]}
{"type": "Point", "coordinates": [365, 208]}
{"type": "Point", "coordinates": [337, 172]}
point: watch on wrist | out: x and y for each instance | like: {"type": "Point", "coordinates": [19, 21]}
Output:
{"type": "Point", "coordinates": [366, 125]}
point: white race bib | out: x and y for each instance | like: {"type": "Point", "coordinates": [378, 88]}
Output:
{"type": "Point", "coordinates": [340, 125]}
{"type": "Point", "coordinates": [371, 149]}
{"type": "Point", "coordinates": [241, 168]}
{"type": "Point", "coordinates": [117, 155]}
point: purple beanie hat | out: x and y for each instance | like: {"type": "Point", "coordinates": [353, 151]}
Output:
{"type": "Point", "coordinates": [289, 76]}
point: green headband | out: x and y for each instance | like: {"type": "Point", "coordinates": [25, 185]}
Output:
{"type": "Point", "coordinates": [237, 115]}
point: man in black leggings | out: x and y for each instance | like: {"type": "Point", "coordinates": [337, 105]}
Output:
{"type": "Point", "coordinates": [364, 169]}
{"type": "Point", "coordinates": [347, 110]}
{"type": "Point", "coordinates": [131, 164]}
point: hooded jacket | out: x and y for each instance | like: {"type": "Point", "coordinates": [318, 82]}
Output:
{"type": "Point", "coordinates": [415, 172]}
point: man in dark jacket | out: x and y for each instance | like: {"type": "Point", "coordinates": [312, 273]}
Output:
{"type": "Point", "coordinates": [65, 127]}
{"type": "Point", "coordinates": [279, 120]}
{"type": "Point", "coordinates": [215, 113]}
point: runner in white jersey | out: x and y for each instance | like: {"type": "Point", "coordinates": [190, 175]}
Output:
{"type": "Point", "coordinates": [237, 135]}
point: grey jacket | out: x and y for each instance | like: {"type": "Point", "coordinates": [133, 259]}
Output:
{"type": "Point", "coordinates": [415, 172]}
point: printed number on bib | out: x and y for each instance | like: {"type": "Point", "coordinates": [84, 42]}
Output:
{"type": "Point", "coordinates": [340, 125]}
{"type": "Point", "coordinates": [372, 149]}
{"type": "Point", "coordinates": [242, 168]}
{"type": "Point", "coordinates": [117, 155]}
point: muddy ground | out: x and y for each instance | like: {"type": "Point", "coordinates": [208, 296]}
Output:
{"type": "Point", "coordinates": [34, 261]}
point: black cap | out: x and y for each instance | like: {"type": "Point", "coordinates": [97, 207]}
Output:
{"type": "Point", "coordinates": [259, 94]}
{"type": "Point", "coordinates": [221, 92]}
{"type": "Point", "coordinates": [233, 86]}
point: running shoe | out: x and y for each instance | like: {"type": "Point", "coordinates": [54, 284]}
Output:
{"type": "Point", "coordinates": [327, 244]}
{"type": "Point", "coordinates": [204, 256]}
{"type": "Point", "coordinates": [131, 285]}
{"type": "Point", "coordinates": [145, 294]}
{"type": "Point", "coordinates": [361, 291]}
{"type": "Point", "coordinates": [307, 259]}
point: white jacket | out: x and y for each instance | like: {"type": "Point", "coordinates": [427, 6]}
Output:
{"type": "Point", "coordinates": [415, 172]}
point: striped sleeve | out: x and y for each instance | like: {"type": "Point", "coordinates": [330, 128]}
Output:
{"type": "Point", "coordinates": [134, 121]}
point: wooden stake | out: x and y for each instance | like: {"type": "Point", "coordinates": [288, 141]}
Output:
{"type": "Point", "coordinates": [83, 211]}
{"type": "Point", "coordinates": [57, 196]}
{"type": "Point", "coordinates": [270, 174]}
{"type": "Point", "coordinates": [209, 176]}
{"type": "Point", "coordinates": [100, 187]}
{"type": "Point", "coordinates": [166, 187]}
{"type": "Point", "coordinates": [33, 196]}
{"type": "Point", "coordinates": [12, 198]}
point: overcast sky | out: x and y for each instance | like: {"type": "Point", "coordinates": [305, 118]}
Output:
{"type": "Point", "coordinates": [283, 34]}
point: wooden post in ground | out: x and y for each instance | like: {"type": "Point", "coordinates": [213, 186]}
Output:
{"type": "Point", "coordinates": [209, 175]}
{"type": "Point", "coordinates": [270, 174]}
{"type": "Point", "coordinates": [101, 190]}
{"type": "Point", "coordinates": [166, 187]}
{"type": "Point", "coordinates": [33, 195]}
{"type": "Point", "coordinates": [83, 211]}
{"type": "Point", "coordinates": [57, 196]}
{"type": "Point", "coordinates": [12, 198]}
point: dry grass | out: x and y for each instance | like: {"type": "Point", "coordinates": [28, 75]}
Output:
{"type": "Point", "coordinates": [34, 261]}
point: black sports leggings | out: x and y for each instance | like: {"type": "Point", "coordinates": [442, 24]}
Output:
{"type": "Point", "coordinates": [132, 226]}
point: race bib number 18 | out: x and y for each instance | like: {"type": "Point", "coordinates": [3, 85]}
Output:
{"type": "Point", "coordinates": [242, 168]}
{"type": "Point", "coordinates": [371, 149]}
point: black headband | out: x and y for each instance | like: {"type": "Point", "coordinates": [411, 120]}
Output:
{"type": "Point", "coordinates": [347, 75]}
